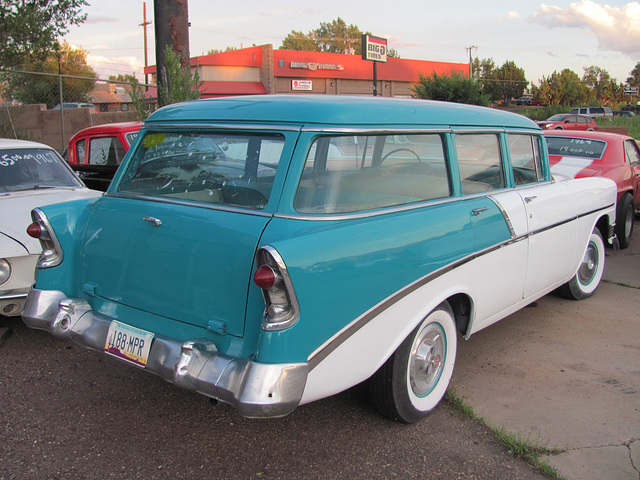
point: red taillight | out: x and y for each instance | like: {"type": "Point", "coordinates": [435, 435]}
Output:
{"type": "Point", "coordinates": [264, 277]}
{"type": "Point", "coordinates": [34, 230]}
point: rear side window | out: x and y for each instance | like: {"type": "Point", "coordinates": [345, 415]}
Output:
{"type": "Point", "coordinates": [525, 159]}
{"type": "Point", "coordinates": [345, 174]}
{"type": "Point", "coordinates": [575, 147]}
{"type": "Point", "coordinates": [81, 151]}
{"type": "Point", "coordinates": [632, 153]}
{"type": "Point", "coordinates": [131, 137]}
{"type": "Point", "coordinates": [233, 169]}
{"type": "Point", "coordinates": [480, 162]}
{"type": "Point", "coordinates": [105, 151]}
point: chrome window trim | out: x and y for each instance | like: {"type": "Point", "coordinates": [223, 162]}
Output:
{"type": "Point", "coordinates": [369, 213]}
{"type": "Point", "coordinates": [207, 206]}
{"type": "Point", "coordinates": [221, 126]}
{"type": "Point", "coordinates": [374, 130]}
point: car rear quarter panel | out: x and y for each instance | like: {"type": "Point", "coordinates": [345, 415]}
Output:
{"type": "Point", "coordinates": [341, 269]}
{"type": "Point", "coordinates": [69, 222]}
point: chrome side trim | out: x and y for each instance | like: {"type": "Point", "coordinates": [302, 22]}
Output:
{"type": "Point", "coordinates": [255, 389]}
{"type": "Point", "coordinates": [504, 215]}
{"type": "Point", "coordinates": [342, 336]}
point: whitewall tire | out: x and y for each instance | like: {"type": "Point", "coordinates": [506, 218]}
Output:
{"type": "Point", "coordinates": [415, 378]}
{"type": "Point", "coordinates": [589, 274]}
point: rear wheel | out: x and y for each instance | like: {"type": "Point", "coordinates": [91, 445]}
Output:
{"type": "Point", "coordinates": [624, 220]}
{"type": "Point", "coordinates": [589, 274]}
{"type": "Point", "coordinates": [415, 378]}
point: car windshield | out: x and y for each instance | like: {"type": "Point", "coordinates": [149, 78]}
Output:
{"type": "Point", "coordinates": [557, 118]}
{"type": "Point", "coordinates": [27, 169]}
{"type": "Point", "coordinates": [232, 169]}
{"type": "Point", "coordinates": [576, 147]}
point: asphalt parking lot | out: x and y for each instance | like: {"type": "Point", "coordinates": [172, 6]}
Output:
{"type": "Point", "coordinates": [559, 374]}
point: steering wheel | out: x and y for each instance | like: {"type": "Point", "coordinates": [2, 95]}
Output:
{"type": "Point", "coordinates": [400, 150]}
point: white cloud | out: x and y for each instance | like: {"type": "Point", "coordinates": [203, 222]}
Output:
{"type": "Point", "coordinates": [616, 28]}
{"type": "Point", "coordinates": [105, 66]}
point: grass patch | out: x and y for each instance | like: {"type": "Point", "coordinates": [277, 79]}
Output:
{"type": "Point", "coordinates": [527, 449]}
{"type": "Point", "coordinates": [632, 123]}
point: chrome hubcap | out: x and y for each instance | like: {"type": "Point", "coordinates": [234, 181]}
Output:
{"type": "Point", "coordinates": [427, 359]}
{"type": "Point", "coordinates": [589, 265]}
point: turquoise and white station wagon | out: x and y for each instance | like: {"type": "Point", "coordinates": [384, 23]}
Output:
{"type": "Point", "coordinates": [270, 251]}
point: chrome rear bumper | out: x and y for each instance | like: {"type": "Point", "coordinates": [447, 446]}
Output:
{"type": "Point", "coordinates": [255, 389]}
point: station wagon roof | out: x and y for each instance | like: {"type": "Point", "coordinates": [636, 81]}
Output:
{"type": "Point", "coordinates": [341, 111]}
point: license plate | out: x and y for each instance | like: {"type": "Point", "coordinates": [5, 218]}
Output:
{"type": "Point", "coordinates": [128, 343]}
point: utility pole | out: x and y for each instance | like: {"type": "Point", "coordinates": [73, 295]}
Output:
{"type": "Point", "coordinates": [472, 47]}
{"type": "Point", "coordinates": [146, 57]}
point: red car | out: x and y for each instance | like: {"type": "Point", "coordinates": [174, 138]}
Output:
{"type": "Point", "coordinates": [600, 154]}
{"type": "Point", "coordinates": [565, 121]}
{"type": "Point", "coordinates": [96, 152]}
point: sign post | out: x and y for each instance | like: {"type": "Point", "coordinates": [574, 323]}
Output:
{"type": "Point", "coordinates": [374, 49]}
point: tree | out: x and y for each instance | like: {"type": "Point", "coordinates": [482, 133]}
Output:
{"type": "Point", "coordinates": [43, 85]}
{"type": "Point", "coordinates": [449, 88]}
{"type": "Point", "coordinates": [180, 85]}
{"type": "Point", "coordinates": [216, 50]}
{"type": "Point", "coordinates": [564, 88]}
{"type": "Point", "coordinates": [128, 78]}
{"type": "Point", "coordinates": [299, 41]}
{"type": "Point", "coordinates": [29, 29]}
{"type": "Point", "coordinates": [143, 105]}
{"type": "Point", "coordinates": [634, 79]}
{"type": "Point", "coordinates": [600, 84]}
{"type": "Point", "coordinates": [504, 83]}
{"type": "Point", "coordinates": [480, 68]}
{"type": "Point", "coordinates": [334, 37]}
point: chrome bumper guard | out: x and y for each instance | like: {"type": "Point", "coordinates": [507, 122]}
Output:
{"type": "Point", "coordinates": [255, 389]}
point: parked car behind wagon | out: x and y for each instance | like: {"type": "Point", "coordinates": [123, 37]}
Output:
{"type": "Point", "coordinates": [96, 152]}
{"type": "Point", "coordinates": [31, 174]}
{"type": "Point", "coordinates": [610, 155]}
{"type": "Point", "coordinates": [593, 111]}
{"type": "Point", "coordinates": [270, 251]}
{"type": "Point", "coordinates": [565, 121]}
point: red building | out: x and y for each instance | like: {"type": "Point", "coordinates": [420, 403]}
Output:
{"type": "Point", "coordinates": [263, 70]}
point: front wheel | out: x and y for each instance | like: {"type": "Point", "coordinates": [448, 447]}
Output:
{"type": "Point", "coordinates": [415, 378]}
{"type": "Point", "coordinates": [589, 274]}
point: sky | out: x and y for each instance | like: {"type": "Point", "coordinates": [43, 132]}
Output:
{"type": "Point", "coordinates": [541, 38]}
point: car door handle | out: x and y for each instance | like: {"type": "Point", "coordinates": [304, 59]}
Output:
{"type": "Point", "coordinates": [530, 199]}
{"type": "Point", "coordinates": [156, 221]}
{"type": "Point", "coordinates": [478, 211]}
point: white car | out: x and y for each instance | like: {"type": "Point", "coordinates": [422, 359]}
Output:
{"type": "Point", "coordinates": [31, 175]}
